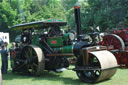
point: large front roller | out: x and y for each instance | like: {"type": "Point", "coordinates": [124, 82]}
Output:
{"type": "Point", "coordinates": [101, 66]}
{"type": "Point", "coordinates": [34, 59]}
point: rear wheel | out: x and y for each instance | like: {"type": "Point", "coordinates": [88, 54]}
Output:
{"type": "Point", "coordinates": [113, 40]}
{"type": "Point", "coordinates": [33, 59]}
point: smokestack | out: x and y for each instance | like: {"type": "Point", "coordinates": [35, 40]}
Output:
{"type": "Point", "coordinates": [77, 19]}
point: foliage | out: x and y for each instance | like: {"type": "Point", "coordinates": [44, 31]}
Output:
{"type": "Point", "coordinates": [102, 13]}
{"type": "Point", "coordinates": [7, 16]}
{"type": "Point", "coordinates": [19, 11]}
{"type": "Point", "coordinates": [32, 10]}
{"type": "Point", "coordinates": [107, 13]}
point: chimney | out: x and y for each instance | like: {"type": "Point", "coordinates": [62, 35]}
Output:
{"type": "Point", "coordinates": [77, 20]}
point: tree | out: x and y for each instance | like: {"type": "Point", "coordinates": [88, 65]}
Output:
{"type": "Point", "coordinates": [107, 13]}
{"type": "Point", "coordinates": [7, 16]}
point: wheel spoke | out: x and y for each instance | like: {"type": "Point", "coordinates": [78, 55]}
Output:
{"type": "Point", "coordinates": [114, 40]}
{"type": "Point", "coordinates": [35, 65]}
{"type": "Point", "coordinates": [30, 52]}
{"type": "Point", "coordinates": [90, 75]}
{"type": "Point", "coordinates": [30, 55]}
{"type": "Point", "coordinates": [33, 69]}
{"type": "Point", "coordinates": [97, 73]}
{"type": "Point", "coordinates": [26, 54]}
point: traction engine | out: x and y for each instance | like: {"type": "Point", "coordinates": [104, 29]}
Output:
{"type": "Point", "coordinates": [45, 47]}
{"type": "Point", "coordinates": [117, 42]}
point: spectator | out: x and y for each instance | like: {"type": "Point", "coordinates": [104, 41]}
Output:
{"type": "Point", "coordinates": [12, 53]}
{"type": "Point", "coordinates": [6, 45]}
{"type": "Point", "coordinates": [13, 47]}
{"type": "Point", "coordinates": [4, 58]}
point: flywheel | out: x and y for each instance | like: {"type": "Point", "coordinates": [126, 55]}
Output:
{"type": "Point", "coordinates": [113, 40]}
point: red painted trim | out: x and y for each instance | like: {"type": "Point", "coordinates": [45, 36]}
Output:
{"type": "Point", "coordinates": [53, 42]}
{"type": "Point", "coordinates": [76, 7]}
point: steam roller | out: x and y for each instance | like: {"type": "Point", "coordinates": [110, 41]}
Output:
{"type": "Point", "coordinates": [94, 62]}
{"type": "Point", "coordinates": [95, 66]}
{"type": "Point", "coordinates": [51, 51]}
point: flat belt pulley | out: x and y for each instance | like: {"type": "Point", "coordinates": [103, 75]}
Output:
{"type": "Point", "coordinates": [101, 65]}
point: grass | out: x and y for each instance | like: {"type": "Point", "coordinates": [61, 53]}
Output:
{"type": "Point", "coordinates": [67, 77]}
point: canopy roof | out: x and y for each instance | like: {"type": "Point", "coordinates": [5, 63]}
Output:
{"type": "Point", "coordinates": [39, 24]}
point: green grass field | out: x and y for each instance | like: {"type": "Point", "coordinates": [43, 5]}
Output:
{"type": "Point", "coordinates": [67, 77]}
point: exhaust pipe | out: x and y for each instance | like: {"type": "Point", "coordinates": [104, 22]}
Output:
{"type": "Point", "coordinates": [77, 19]}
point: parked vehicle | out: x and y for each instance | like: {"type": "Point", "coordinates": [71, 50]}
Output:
{"type": "Point", "coordinates": [46, 47]}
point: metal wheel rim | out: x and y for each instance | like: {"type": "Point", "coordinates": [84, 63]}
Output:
{"type": "Point", "coordinates": [114, 40]}
{"type": "Point", "coordinates": [34, 59]}
{"type": "Point", "coordinates": [104, 62]}
{"type": "Point", "coordinates": [90, 75]}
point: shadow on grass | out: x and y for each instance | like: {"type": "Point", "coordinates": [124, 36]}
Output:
{"type": "Point", "coordinates": [50, 76]}
{"type": "Point", "coordinates": [11, 76]}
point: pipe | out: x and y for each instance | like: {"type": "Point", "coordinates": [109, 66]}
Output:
{"type": "Point", "coordinates": [77, 19]}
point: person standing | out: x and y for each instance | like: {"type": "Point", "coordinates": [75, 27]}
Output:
{"type": "Point", "coordinates": [12, 54]}
{"type": "Point", "coordinates": [4, 58]}
{"type": "Point", "coordinates": [12, 49]}
{"type": "Point", "coordinates": [6, 45]}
